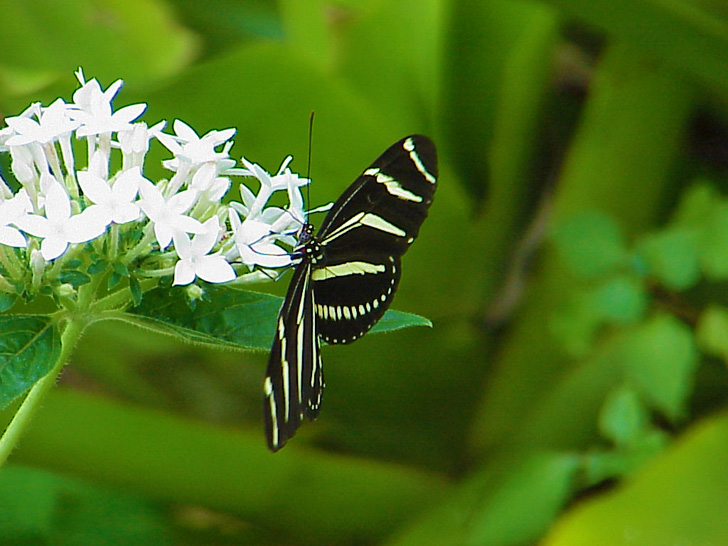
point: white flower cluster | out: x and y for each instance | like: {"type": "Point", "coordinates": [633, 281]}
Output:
{"type": "Point", "coordinates": [176, 226]}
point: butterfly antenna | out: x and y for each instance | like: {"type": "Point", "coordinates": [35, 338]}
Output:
{"type": "Point", "coordinates": [308, 166]}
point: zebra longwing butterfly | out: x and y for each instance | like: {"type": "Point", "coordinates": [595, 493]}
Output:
{"type": "Point", "coordinates": [345, 277]}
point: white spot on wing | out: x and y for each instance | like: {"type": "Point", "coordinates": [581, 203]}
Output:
{"type": "Point", "coordinates": [396, 189]}
{"type": "Point", "coordinates": [347, 268]}
{"type": "Point", "coordinates": [409, 145]}
{"type": "Point", "coordinates": [377, 222]}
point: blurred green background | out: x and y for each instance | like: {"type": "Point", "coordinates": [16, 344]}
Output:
{"type": "Point", "coordinates": [574, 387]}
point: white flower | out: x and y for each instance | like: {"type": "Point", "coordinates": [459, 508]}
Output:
{"type": "Point", "coordinates": [206, 183]}
{"type": "Point", "coordinates": [92, 110]}
{"type": "Point", "coordinates": [135, 140]}
{"type": "Point", "coordinates": [195, 260]}
{"type": "Point", "coordinates": [12, 211]}
{"type": "Point", "coordinates": [255, 243]}
{"type": "Point", "coordinates": [168, 214]}
{"type": "Point", "coordinates": [58, 228]}
{"type": "Point", "coordinates": [112, 203]}
{"type": "Point", "coordinates": [53, 122]}
{"type": "Point", "coordinates": [283, 180]}
{"type": "Point", "coordinates": [192, 149]}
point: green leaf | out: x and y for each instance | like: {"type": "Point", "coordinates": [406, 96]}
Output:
{"type": "Point", "coordinates": [680, 497]}
{"type": "Point", "coordinates": [672, 257]}
{"type": "Point", "coordinates": [620, 300]}
{"type": "Point", "coordinates": [29, 347]}
{"type": "Point", "coordinates": [41, 508]}
{"type": "Point", "coordinates": [697, 204]}
{"type": "Point", "coordinates": [713, 245]}
{"type": "Point", "coordinates": [92, 37]}
{"type": "Point", "coordinates": [660, 358]}
{"type": "Point", "coordinates": [396, 320]}
{"type": "Point", "coordinates": [692, 37]}
{"type": "Point", "coordinates": [605, 465]}
{"type": "Point", "coordinates": [712, 331]}
{"type": "Point", "coordinates": [576, 324]}
{"type": "Point", "coordinates": [136, 290]}
{"type": "Point", "coordinates": [7, 300]}
{"type": "Point", "coordinates": [74, 277]}
{"type": "Point", "coordinates": [499, 51]}
{"type": "Point", "coordinates": [120, 269]}
{"type": "Point", "coordinates": [623, 417]}
{"type": "Point", "coordinates": [230, 316]}
{"type": "Point", "coordinates": [590, 243]}
{"type": "Point", "coordinates": [526, 502]}
{"type": "Point", "coordinates": [97, 267]}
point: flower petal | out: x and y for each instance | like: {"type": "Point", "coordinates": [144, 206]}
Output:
{"type": "Point", "coordinates": [215, 269]}
{"type": "Point", "coordinates": [184, 273]}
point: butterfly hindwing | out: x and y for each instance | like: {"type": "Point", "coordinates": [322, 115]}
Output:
{"type": "Point", "coordinates": [352, 296]}
{"type": "Point", "coordinates": [294, 379]}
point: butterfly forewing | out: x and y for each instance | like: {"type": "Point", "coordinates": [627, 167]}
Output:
{"type": "Point", "coordinates": [346, 278]}
{"type": "Point", "coordinates": [367, 231]}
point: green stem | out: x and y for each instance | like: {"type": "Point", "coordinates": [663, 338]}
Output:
{"type": "Point", "coordinates": [9, 260]}
{"type": "Point", "coordinates": [120, 298]}
{"type": "Point", "coordinates": [37, 393]}
{"type": "Point", "coordinates": [141, 247]}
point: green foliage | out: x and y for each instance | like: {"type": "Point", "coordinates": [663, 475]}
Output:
{"type": "Point", "coordinates": [43, 508]}
{"type": "Point", "coordinates": [590, 243]}
{"type": "Point", "coordinates": [227, 317]}
{"type": "Point", "coordinates": [460, 434]}
{"type": "Point", "coordinates": [29, 348]}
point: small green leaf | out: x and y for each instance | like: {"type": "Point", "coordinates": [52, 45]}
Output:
{"type": "Point", "coordinates": [136, 290]}
{"type": "Point", "coordinates": [660, 358]}
{"type": "Point", "coordinates": [7, 300]}
{"type": "Point", "coordinates": [604, 465]}
{"type": "Point", "coordinates": [672, 257]}
{"type": "Point", "coordinates": [697, 204]}
{"type": "Point", "coordinates": [590, 243]}
{"type": "Point", "coordinates": [29, 347]}
{"type": "Point", "coordinates": [121, 269]}
{"type": "Point", "coordinates": [576, 324]}
{"type": "Point", "coordinates": [114, 280]}
{"type": "Point", "coordinates": [74, 277]}
{"type": "Point", "coordinates": [712, 331]}
{"type": "Point", "coordinates": [229, 316]}
{"type": "Point", "coordinates": [623, 418]}
{"type": "Point", "coordinates": [97, 267]}
{"type": "Point", "coordinates": [620, 300]}
{"type": "Point", "coordinates": [713, 245]}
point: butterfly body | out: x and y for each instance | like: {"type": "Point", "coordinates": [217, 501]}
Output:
{"type": "Point", "coordinates": [345, 277]}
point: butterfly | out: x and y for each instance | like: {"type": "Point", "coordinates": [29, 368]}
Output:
{"type": "Point", "coordinates": [345, 277]}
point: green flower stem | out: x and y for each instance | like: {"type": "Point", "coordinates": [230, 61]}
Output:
{"type": "Point", "coordinates": [157, 273]}
{"type": "Point", "coordinates": [141, 247]}
{"type": "Point", "coordinates": [26, 411]}
{"type": "Point", "coordinates": [114, 243]}
{"type": "Point", "coordinates": [10, 262]}
{"type": "Point", "coordinates": [120, 298]}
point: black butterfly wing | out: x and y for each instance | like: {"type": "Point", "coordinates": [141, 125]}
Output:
{"type": "Point", "coordinates": [294, 380]}
{"type": "Point", "coordinates": [344, 286]}
{"type": "Point", "coordinates": [364, 236]}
